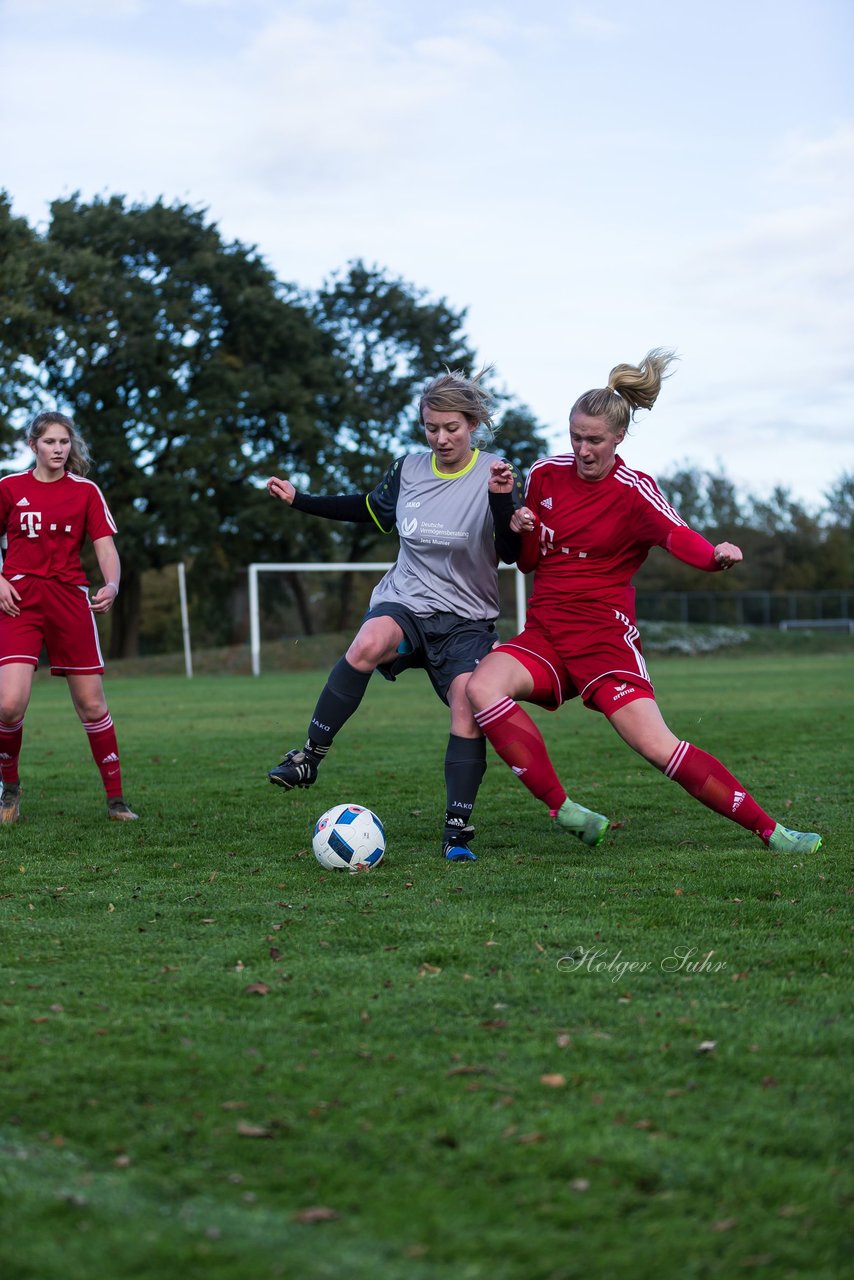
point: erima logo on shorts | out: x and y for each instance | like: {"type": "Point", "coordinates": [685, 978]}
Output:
{"type": "Point", "coordinates": [622, 690]}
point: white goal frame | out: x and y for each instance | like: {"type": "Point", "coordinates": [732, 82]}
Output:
{"type": "Point", "coordinates": [378, 567]}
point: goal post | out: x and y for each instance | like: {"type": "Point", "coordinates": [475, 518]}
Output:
{"type": "Point", "coordinates": [376, 567]}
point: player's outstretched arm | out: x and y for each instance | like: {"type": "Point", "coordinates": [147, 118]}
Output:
{"type": "Point", "coordinates": [692, 548]}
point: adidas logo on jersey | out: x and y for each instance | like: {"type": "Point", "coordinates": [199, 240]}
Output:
{"type": "Point", "coordinates": [22, 503]}
{"type": "Point", "coordinates": [546, 504]}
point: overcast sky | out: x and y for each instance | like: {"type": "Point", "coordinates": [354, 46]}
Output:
{"type": "Point", "coordinates": [588, 180]}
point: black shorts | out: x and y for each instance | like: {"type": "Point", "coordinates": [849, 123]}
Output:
{"type": "Point", "coordinates": [443, 644]}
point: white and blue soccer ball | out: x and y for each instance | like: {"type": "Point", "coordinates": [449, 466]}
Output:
{"type": "Point", "coordinates": [348, 837]}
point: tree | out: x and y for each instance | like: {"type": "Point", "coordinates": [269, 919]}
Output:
{"type": "Point", "coordinates": [190, 370]}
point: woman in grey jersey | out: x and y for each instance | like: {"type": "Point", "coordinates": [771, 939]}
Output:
{"type": "Point", "coordinates": [436, 607]}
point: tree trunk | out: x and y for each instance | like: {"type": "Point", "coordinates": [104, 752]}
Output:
{"type": "Point", "coordinates": [124, 633]}
{"type": "Point", "coordinates": [297, 587]}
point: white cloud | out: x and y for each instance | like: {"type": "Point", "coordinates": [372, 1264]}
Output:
{"type": "Point", "coordinates": [587, 182]}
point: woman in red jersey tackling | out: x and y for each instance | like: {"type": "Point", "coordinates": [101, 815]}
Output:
{"type": "Point", "coordinates": [47, 513]}
{"type": "Point", "coordinates": [588, 525]}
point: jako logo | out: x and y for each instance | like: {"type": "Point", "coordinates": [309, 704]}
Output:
{"type": "Point", "coordinates": [413, 504]}
{"type": "Point", "coordinates": [408, 527]}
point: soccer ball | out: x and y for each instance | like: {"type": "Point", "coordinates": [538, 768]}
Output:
{"type": "Point", "coordinates": [348, 838]}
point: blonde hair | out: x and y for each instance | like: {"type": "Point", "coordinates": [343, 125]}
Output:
{"type": "Point", "coordinates": [630, 387]}
{"type": "Point", "coordinates": [454, 392]}
{"type": "Point", "coordinates": [78, 457]}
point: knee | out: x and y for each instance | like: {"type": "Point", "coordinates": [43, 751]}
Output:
{"type": "Point", "coordinates": [11, 711]}
{"type": "Point", "coordinates": [479, 688]}
{"type": "Point", "coordinates": [89, 711]}
{"type": "Point", "coordinates": [369, 649]}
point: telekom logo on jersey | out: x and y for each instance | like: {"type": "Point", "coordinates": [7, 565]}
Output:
{"type": "Point", "coordinates": [31, 523]}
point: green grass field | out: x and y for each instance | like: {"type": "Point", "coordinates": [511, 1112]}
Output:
{"type": "Point", "coordinates": [218, 1061]}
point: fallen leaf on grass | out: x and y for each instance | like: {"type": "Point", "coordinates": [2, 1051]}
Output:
{"type": "Point", "coordinates": [246, 1130]}
{"type": "Point", "coordinates": [706, 1046]}
{"type": "Point", "coordinates": [426, 969]}
{"type": "Point", "coordinates": [472, 1070]}
{"type": "Point", "coordinates": [769, 1082]}
{"type": "Point", "coordinates": [529, 1139]}
{"type": "Point", "coordinates": [234, 1106]}
{"type": "Point", "coordinates": [256, 989]}
{"type": "Point", "coordinates": [315, 1213]}
{"type": "Point", "coordinates": [724, 1224]}
{"type": "Point", "coordinates": [554, 1080]}
{"type": "Point", "coordinates": [580, 1184]}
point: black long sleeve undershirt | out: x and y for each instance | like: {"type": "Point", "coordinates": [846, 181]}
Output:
{"type": "Point", "coordinates": [353, 508]}
{"type": "Point", "coordinates": [507, 543]}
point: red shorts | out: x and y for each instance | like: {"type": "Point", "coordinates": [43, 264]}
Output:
{"type": "Point", "coordinates": [601, 663]}
{"type": "Point", "coordinates": [56, 615]}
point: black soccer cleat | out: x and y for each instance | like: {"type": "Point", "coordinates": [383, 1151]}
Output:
{"type": "Point", "coordinates": [298, 769]}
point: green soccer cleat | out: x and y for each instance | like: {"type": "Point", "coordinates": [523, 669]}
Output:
{"type": "Point", "coordinates": [590, 827]}
{"type": "Point", "coordinates": [782, 840]}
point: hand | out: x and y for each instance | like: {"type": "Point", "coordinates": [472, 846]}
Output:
{"type": "Point", "coordinates": [9, 598]}
{"type": "Point", "coordinates": [278, 488]}
{"type": "Point", "coordinates": [500, 476]}
{"type": "Point", "coordinates": [523, 520]}
{"type": "Point", "coordinates": [727, 554]}
{"type": "Point", "coordinates": [102, 601]}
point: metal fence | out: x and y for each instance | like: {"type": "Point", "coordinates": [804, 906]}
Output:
{"type": "Point", "coordinates": [748, 608]}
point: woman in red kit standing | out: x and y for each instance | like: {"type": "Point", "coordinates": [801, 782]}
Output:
{"type": "Point", "coordinates": [588, 525]}
{"type": "Point", "coordinates": [47, 513]}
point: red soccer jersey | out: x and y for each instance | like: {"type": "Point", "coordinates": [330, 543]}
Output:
{"type": "Point", "coordinates": [46, 524]}
{"type": "Point", "coordinates": [592, 536]}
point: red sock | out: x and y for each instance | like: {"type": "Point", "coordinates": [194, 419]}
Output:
{"type": "Point", "coordinates": [516, 739]}
{"type": "Point", "coordinates": [706, 779]}
{"type": "Point", "coordinates": [10, 750]}
{"type": "Point", "coordinates": [105, 750]}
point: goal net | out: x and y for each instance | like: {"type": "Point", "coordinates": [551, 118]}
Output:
{"type": "Point", "coordinates": [377, 568]}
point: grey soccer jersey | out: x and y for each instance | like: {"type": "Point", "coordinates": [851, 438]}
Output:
{"type": "Point", "coordinates": [447, 561]}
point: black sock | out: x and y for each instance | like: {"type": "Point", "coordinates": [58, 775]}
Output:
{"type": "Point", "coordinates": [465, 765]}
{"type": "Point", "coordinates": [340, 697]}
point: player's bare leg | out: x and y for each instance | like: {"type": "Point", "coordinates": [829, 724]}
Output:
{"type": "Point", "coordinates": [642, 726]}
{"type": "Point", "coordinates": [493, 691]}
{"type": "Point", "coordinates": [87, 694]}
